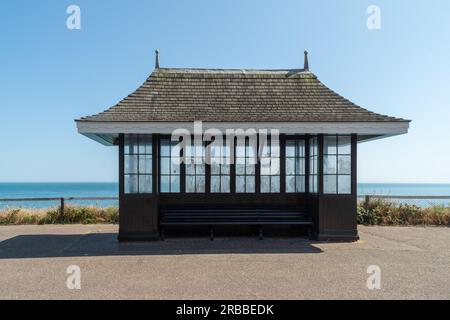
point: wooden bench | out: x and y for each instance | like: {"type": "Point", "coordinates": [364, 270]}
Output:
{"type": "Point", "coordinates": [171, 216]}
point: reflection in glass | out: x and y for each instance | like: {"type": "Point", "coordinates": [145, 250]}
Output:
{"type": "Point", "coordinates": [329, 184]}
{"type": "Point", "coordinates": [137, 163]}
{"type": "Point", "coordinates": [295, 166]}
{"type": "Point", "coordinates": [338, 167]}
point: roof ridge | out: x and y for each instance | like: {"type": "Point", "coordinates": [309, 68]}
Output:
{"type": "Point", "coordinates": [231, 70]}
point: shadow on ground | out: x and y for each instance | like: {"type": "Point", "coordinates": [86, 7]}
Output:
{"type": "Point", "coordinates": [106, 244]}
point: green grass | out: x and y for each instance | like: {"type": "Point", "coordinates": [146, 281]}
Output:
{"type": "Point", "coordinates": [71, 215]}
{"type": "Point", "coordinates": [381, 212]}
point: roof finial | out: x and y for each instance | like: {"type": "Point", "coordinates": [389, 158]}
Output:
{"type": "Point", "coordinates": [306, 67]}
{"type": "Point", "coordinates": [156, 59]}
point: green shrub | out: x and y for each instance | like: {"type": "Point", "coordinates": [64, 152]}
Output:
{"type": "Point", "coordinates": [381, 212]}
{"type": "Point", "coordinates": [71, 215]}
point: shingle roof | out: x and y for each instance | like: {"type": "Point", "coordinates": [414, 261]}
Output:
{"type": "Point", "coordinates": [213, 95]}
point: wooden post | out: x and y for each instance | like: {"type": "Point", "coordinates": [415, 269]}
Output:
{"type": "Point", "coordinates": [62, 208]}
{"type": "Point", "coordinates": [366, 202]}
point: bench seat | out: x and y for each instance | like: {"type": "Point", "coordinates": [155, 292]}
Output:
{"type": "Point", "coordinates": [196, 216]}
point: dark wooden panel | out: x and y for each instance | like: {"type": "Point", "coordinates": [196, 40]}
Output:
{"type": "Point", "coordinates": [255, 200]}
{"type": "Point", "coordinates": [138, 214]}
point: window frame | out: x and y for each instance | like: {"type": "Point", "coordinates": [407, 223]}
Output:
{"type": "Point", "coordinates": [224, 156]}
{"type": "Point", "coordinates": [271, 176]}
{"type": "Point", "coordinates": [255, 174]}
{"type": "Point", "coordinates": [313, 173]}
{"type": "Point", "coordinates": [170, 174]}
{"type": "Point", "coordinates": [303, 160]}
{"type": "Point", "coordinates": [148, 153]}
{"type": "Point", "coordinates": [185, 174]}
{"type": "Point", "coordinates": [337, 154]}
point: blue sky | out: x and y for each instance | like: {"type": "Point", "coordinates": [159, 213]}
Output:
{"type": "Point", "coordinates": [51, 75]}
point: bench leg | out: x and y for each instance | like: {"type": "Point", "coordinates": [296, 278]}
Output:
{"type": "Point", "coordinates": [310, 232]}
{"type": "Point", "coordinates": [260, 233]}
{"type": "Point", "coordinates": [211, 233]}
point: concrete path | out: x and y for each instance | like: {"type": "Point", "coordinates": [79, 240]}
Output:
{"type": "Point", "coordinates": [414, 263]}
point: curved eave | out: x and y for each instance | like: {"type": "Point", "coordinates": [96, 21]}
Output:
{"type": "Point", "coordinates": [107, 132]}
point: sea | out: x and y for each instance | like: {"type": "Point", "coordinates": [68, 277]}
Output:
{"type": "Point", "coordinates": [110, 189]}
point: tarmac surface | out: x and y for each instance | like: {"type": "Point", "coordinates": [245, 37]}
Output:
{"type": "Point", "coordinates": [414, 264]}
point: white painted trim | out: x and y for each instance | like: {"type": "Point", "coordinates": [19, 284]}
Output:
{"type": "Point", "coordinates": [369, 128]}
{"type": "Point", "coordinates": [106, 132]}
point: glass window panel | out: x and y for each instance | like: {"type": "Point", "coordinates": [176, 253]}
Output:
{"type": "Point", "coordinates": [175, 168]}
{"type": "Point", "coordinates": [190, 184]}
{"type": "Point", "coordinates": [240, 160]}
{"type": "Point", "coordinates": [165, 148]}
{"type": "Point", "coordinates": [265, 152]}
{"type": "Point", "coordinates": [145, 184]}
{"type": "Point", "coordinates": [311, 183]}
{"type": "Point", "coordinates": [344, 143]}
{"type": "Point", "coordinates": [275, 150]}
{"type": "Point", "coordinates": [175, 184]}
{"type": "Point", "coordinates": [290, 148]}
{"type": "Point", "coordinates": [300, 184]}
{"type": "Point", "coordinates": [312, 168]}
{"type": "Point", "coordinates": [240, 150]}
{"type": "Point", "coordinates": [265, 166]}
{"type": "Point", "coordinates": [250, 169]}
{"type": "Point", "coordinates": [344, 184]}
{"type": "Point", "coordinates": [165, 183]}
{"type": "Point", "coordinates": [225, 184]}
{"type": "Point", "coordinates": [200, 169]}
{"type": "Point", "coordinates": [225, 169]}
{"type": "Point", "coordinates": [275, 184]}
{"type": "Point", "coordinates": [344, 165]}
{"type": "Point", "coordinates": [215, 184]}
{"type": "Point", "coordinates": [199, 151]}
{"type": "Point", "coordinates": [275, 166]}
{"type": "Point", "coordinates": [301, 148]}
{"type": "Point", "coordinates": [265, 184]}
{"type": "Point", "coordinates": [250, 184]}
{"type": "Point", "coordinates": [290, 184]}
{"type": "Point", "coordinates": [190, 169]}
{"type": "Point", "coordinates": [215, 150]}
{"type": "Point", "coordinates": [200, 184]}
{"type": "Point", "coordinates": [302, 166]}
{"type": "Point", "coordinates": [215, 168]}
{"type": "Point", "coordinates": [131, 145]}
{"type": "Point", "coordinates": [165, 166]}
{"type": "Point", "coordinates": [298, 166]}
{"type": "Point", "coordinates": [216, 160]}
{"type": "Point", "coordinates": [240, 184]}
{"type": "Point", "coordinates": [131, 164]}
{"type": "Point", "coordinates": [329, 165]}
{"type": "Point", "coordinates": [329, 145]}
{"type": "Point", "coordinates": [240, 169]}
{"type": "Point", "coordinates": [199, 161]}
{"type": "Point", "coordinates": [131, 184]}
{"type": "Point", "coordinates": [329, 184]}
{"type": "Point", "coordinates": [290, 166]}
{"type": "Point", "coordinates": [145, 164]}
{"type": "Point", "coordinates": [145, 145]}
{"type": "Point", "coordinates": [313, 147]}
{"type": "Point", "coordinates": [250, 151]}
